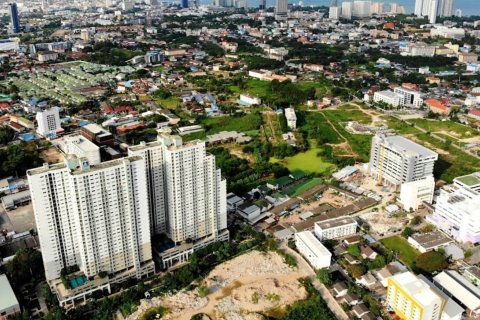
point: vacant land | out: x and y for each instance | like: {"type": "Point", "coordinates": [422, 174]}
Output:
{"type": "Point", "coordinates": [453, 129]}
{"type": "Point", "coordinates": [169, 103]}
{"type": "Point", "coordinates": [247, 123]}
{"type": "Point", "coordinates": [237, 289]}
{"type": "Point", "coordinates": [302, 187]}
{"type": "Point", "coordinates": [307, 161]}
{"type": "Point", "coordinates": [405, 251]}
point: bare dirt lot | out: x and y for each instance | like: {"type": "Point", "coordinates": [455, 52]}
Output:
{"type": "Point", "coordinates": [238, 289]}
{"type": "Point", "coordinates": [18, 220]}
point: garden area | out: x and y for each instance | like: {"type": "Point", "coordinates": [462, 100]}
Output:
{"type": "Point", "coordinates": [247, 123]}
{"type": "Point", "coordinates": [307, 161]}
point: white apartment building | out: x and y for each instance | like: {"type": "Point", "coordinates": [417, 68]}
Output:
{"type": "Point", "coordinates": [291, 118]}
{"type": "Point", "coordinates": [81, 147]}
{"type": "Point", "coordinates": [446, 8]}
{"type": "Point", "coordinates": [347, 10]}
{"type": "Point", "coordinates": [48, 121]}
{"type": "Point", "coordinates": [362, 8]}
{"type": "Point", "coordinates": [281, 9]}
{"type": "Point", "coordinates": [416, 298]}
{"type": "Point", "coordinates": [433, 11]}
{"type": "Point", "coordinates": [95, 217]}
{"type": "Point", "coordinates": [456, 209]}
{"type": "Point", "coordinates": [334, 229]}
{"type": "Point", "coordinates": [334, 13]}
{"type": "Point", "coordinates": [387, 96]}
{"type": "Point", "coordinates": [395, 160]}
{"type": "Point", "coordinates": [409, 98]}
{"type": "Point", "coordinates": [414, 193]}
{"type": "Point", "coordinates": [420, 49]}
{"type": "Point", "coordinates": [188, 195]}
{"type": "Point", "coordinates": [313, 250]}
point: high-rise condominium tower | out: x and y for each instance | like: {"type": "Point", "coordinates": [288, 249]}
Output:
{"type": "Point", "coordinates": [93, 217]}
{"type": "Point", "coordinates": [447, 8]}
{"type": "Point", "coordinates": [187, 192]}
{"type": "Point", "coordinates": [14, 19]}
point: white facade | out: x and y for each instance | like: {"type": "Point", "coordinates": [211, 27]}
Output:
{"type": "Point", "coordinates": [418, 7]}
{"type": "Point", "coordinates": [95, 217]}
{"type": "Point", "coordinates": [334, 229]}
{"type": "Point", "coordinates": [414, 193]}
{"type": "Point", "coordinates": [456, 210]}
{"type": "Point", "coordinates": [362, 8]}
{"type": "Point", "coordinates": [387, 96]}
{"type": "Point", "coordinates": [291, 118]}
{"type": "Point", "coordinates": [447, 8]}
{"type": "Point", "coordinates": [249, 100]}
{"type": "Point", "coordinates": [48, 121]}
{"type": "Point", "coordinates": [433, 11]}
{"type": "Point", "coordinates": [347, 10]}
{"type": "Point", "coordinates": [409, 98]}
{"type": "Point", "coordinates": [395, 160]}
{"type": "Point", "coordinates": [281, 8]}
{"type": "Point", "coordinates": [313, 250]}
{"type": "Point", "coordinates": [81, 147]}
{"type": "Point", "coordinates": [334, 13]}
{"type": "Point", "coordinates": [187, 190]}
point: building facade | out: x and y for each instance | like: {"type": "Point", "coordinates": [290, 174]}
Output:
{"type": "Point", "coordinates": [48, 121]}
{"type": "Point", "coordinates": [413, 299]}
{"type": "Point", "coordinates": [313, 250]}
{"type": "Point", "coordinates": [93, 217]}
{"type": "Point", "coordinates": [414, 193]}
{"type": "Point", "coordinates": [14, 19]}
{"type": "Point", "coordinates": [457, 207]}
{"type": "Point", "coordinates": [337, 228]}
{"type": "Point", "coordinates": [395, 160]}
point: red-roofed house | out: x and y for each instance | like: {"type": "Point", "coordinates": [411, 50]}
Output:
{"type": "Point", "coordinates": [107, 109]}
{"type": "Point", "coordinates": [436, 106]}
{"type": "Point", "coordinates": [4, 105]}
{"type": "Point", "coordinates": [474, 113]}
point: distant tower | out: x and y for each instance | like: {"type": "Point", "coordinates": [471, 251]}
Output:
{"type": "Point", "coordinates": [432, 16]}
{"type": "Point", "coordinates": [419, 7]}
{"type": "Point", "coordinates": [347, 10]}
{"type": "Point", "coordinates": [262, 5]}
{"type": "Point", "coordinates": [334, 3]}
{"type": "Point", "coordinates": [281, 9]}
{"type": "Point", "coordinates": [185, 4]}
{"type": "Point", "coordinates": [14, 20]}
{"type": "Point", "coordinates": [447, 8]}
{"type": "Point", "coordinates": [458, 13]}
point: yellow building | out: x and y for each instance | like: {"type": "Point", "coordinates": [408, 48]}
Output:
{"type": "Point", "coordinates": [412, 298]}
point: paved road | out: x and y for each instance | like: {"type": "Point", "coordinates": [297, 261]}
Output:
{"type": "Point", "coordinates": [332, 304]}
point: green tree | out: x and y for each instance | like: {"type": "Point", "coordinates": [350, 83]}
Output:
{"type": "Point", "coordinates": [6, 134]}
{"type": "Point", "coordinates": [416, 220]}
{"type": "Point", "coordinates": [354, 250]}
{"type": "Point", "coordinates": [325, 276]}
{"type": "Point", "coordinates": [431, 261]}
{"type": "Point", "coordinates": [26, 266]}
{"type": "Point", "coordinates": [407, 232]}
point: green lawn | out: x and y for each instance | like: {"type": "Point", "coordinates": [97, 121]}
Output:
{"type": "Point", "coordinates": [247, 123]}
{"type": "Point", "coordinates": [405, 251]}
{"type": "Point", "coordinates": [169, 103]}
{"type": "Point", "coordinates": [307, 161]}
{"type": "Point", "coordinates": [302, 187]}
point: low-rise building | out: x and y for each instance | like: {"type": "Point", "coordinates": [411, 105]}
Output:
{"type": "Point", "coordinates": [46, 56]}
{"type": "Point", "coordinates": [436, 106]}
{"type": "Point", "coordinates": [425, 242]}
{"type": "Point", "coordinates": [387, 96]}
{"type": "Point", "coordinates": [336, 228]}
{"type": "Point", "coordinates": [9, 306]}
{"type": "Point", "coordinates": [313, 250]}
{"type": "Point", "coordinates": [291, 118]}
{"type": "Point", "coordinates": [467, 57]}
{"type": "Point", "coordinates": [81, 147]}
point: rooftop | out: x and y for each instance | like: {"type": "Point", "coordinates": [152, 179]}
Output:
{"type": "Point", "coordinates": [8, 298]}
{"type": "Point", "coordinates": [470, 180]}
{"type": "Point", "coordinates": [431, 239]}
{"type": "Point", "coordinates": [335, 223]}
{"type": "Point", "coordinates": [403, 145]}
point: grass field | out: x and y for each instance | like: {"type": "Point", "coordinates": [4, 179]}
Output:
{"type": "Point", "coordinates": [308, 162]}
{"type": "Point", "coordinates": [405, 251]}
{"type": "Point", "coordinates": [246, 123]}
{"type": "Point", "coordinates": [169, 103]}
{"type": "Point", "coordinates": [302, 187]}
{"type": "Point", "coordinates": [454, 129]}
